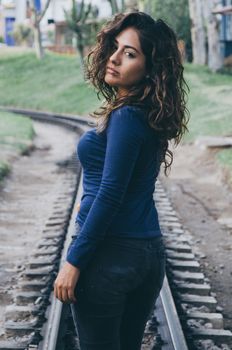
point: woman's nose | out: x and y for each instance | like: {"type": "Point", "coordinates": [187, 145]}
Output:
{"type": "Point", "coordinates": [115, 58]}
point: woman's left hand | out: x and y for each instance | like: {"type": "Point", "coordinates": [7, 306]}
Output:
{"type": "Point", "coordinates": [65, 283]}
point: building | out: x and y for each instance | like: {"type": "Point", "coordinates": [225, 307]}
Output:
{"type": "Point", "coordinates": [13, 12]}
{"type": "Point", "coordinates": [225, 26]}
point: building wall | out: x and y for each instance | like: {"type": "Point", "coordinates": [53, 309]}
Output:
{"type": "Point", "coordinates": [17, 9]}
{"type": "Point", "coordinates": [12, 12]}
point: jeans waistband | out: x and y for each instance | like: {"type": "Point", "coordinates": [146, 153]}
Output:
{"type": "Point", "coordinates": [121, 238]}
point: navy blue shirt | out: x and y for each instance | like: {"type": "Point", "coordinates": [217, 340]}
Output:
{"type": "Point", "coordinates": [120, 167]}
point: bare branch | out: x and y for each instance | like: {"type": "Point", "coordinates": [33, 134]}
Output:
{"type": "Point", "coordinates": [44, 10]}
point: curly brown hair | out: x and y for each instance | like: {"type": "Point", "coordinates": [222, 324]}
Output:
{"type": "Point", "coordinates": [163, 93]}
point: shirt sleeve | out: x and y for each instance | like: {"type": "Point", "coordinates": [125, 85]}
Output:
{"type": "Point", "coordinates": [125, 136]}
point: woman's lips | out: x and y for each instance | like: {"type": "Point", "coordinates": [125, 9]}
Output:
{"type": "Point", "coordinates": [112, 71]}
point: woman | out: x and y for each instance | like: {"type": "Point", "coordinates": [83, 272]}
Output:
{"type": "Point", "coordinates": [116, 262]}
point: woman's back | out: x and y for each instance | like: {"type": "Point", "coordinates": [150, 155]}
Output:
{"type": "Point", "coordinates": [136, 215]}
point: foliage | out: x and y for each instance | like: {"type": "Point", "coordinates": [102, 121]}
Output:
{"type": "Point", "coordinates": [81, 20]}
{"type": "Point", "coordinates": [15, 130]}
{"type": "Point", "coordinates": [23, 35]}
{"type": "Point", "coordinates": [176, 14]}
{"type": "Point", "coordinates": [36, 17]}
{"type": "Point", "coordinates": [53, 84]}
{"type": "Point", "coordinates": [224, 158]}
{"type": "Point", "coordinates": [4, 170]}
{"type": "Point", "coordinates": [114, 6]}
{"type": "Point", "coordinates": [209, 103]}
{"type": "Point", "coordinates": [16, 133]}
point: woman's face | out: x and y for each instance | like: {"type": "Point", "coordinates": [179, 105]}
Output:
{"type": "Point", "coordinates": [126, 65]}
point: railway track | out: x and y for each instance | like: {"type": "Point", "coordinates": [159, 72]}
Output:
{"type": "Point", "coordinates": [186, 315]}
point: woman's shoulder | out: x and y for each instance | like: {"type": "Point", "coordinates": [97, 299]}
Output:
{"type": "Point", "coordinates": [132, 111]}
{"type": "Point", "coordinates": [131, 107]}
{"type": "Point", "coordinates": [127, 118]}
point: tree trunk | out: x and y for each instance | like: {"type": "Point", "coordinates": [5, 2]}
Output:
{"type": "Point", "coordinates": [80, 47]}
{"type": "Point", "coordinates": [123, 7]}
{"type": "Point", "coordinates": [114, 6]}
{"type": "Point", "coordinates": [36, 19]}
{"type": "Point", "coordinates": [37, 41]}
{"type": "Point", "coordinates": [215, 59]}
{"type": "Point", "coordinates": [197, 32]}
{"type": "Point", "coordinates": [131, 5]}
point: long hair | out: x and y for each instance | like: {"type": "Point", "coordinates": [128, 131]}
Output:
{"type": "Point", "coordinates": [162, 93]}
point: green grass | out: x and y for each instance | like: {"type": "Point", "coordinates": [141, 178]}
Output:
{"type": "Point", "coordinates": [225, 158]}
{"type": "Point", "coordinates": [210, 102]}
{"type": "Point", "coordinates": [56, 84]}
{"type": "Point", "coordinates": [53, 84]}
{"type": "Point", "coordinates": [210, 106]}
{"type": "Point", "coordinates": [4, 170]}
{"type": "Point", "coordinates": [16, 133]}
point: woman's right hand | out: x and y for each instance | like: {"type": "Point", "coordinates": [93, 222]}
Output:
{"type": "Point", "coordinates": [78, 206]}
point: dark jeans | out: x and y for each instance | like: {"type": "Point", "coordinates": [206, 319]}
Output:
{"type": "Point", "coordinates": [117, 292]}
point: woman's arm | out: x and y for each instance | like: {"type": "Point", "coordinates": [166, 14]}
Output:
{"type": "Point", "coordinates": [125, 136]}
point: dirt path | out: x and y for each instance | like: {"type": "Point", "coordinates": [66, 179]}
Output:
{"type": "Point", "coordinates": [26, 202]}
{"type": "Point", "coordinates": [195, 186]}
{"type": "Point", "coordinates": [199, 194]}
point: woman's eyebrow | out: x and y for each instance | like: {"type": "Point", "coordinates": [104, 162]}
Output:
{"type": "Point", "coordinates": [127, 46]}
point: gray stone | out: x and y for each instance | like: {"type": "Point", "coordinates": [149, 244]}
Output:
{"type": "Point", "coordinates": [25, 298]}
{"type": "Point", "coordinates": [54, 242]}
{"type": "Point", "coordinates": [45, 251]}
{"type": "Point", "coordinates": [182, 248]}
{"type": "Point", "coordinates": [199, 300]}
{"type": "Point", "coordinates": [41, 261]}
{"type": "Point", "coordinates": [195, 277]}
{"type": "Point", "coordinates": [184, 265]}
{"type": "Point", "coordinates": [225, 221]}
{"type": "Point", "coordinates": [196, 288]}
{"type": "Point", "coordinates": [13, 328]}
{"type": "Point", "coordinates": [218, 335]}
{"type": "Point", "coordinates": [19, 312]}
{"type": "Point", "coordinates": [34, 285]}
{"type": "Point", "coordinates": [213, 142]}
{"type": "Point", "coordinates": [13, 345]}
{"type": "Point", "coordinates": [215, 318]}
{"type": "Point", "coordinates": [180, 256]}
{"type": "Point", "coordinates": [43, 271]}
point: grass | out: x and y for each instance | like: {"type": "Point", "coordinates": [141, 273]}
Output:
{"type": "Point", "coordinates": [53, 84]}
{"type": "Point", "coordinates": [16, 133]}
{"type": "Point", "coordinates": [210, 106]}
{"type": "Point", "coordinates": [4, 170]}
{"type": "Point", "coordinates": [210, 102]}
{"type": "Point", "coordinates": [224, 158]}
{"type": "Point", "coordinates": [56, 84]}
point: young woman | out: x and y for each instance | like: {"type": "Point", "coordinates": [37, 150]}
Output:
{"type": "Point", "coordinates": [116, 262]}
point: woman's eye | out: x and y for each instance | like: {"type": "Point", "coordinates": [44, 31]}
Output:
{"type": "Point", "coordinates": [129, 54]}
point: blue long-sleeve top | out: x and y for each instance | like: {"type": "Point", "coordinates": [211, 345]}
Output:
{"type": "Point", "coordinates": [120, 167]}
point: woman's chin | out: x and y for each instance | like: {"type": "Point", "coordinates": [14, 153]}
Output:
{"type": "Point", "coordinates": [110, 80]}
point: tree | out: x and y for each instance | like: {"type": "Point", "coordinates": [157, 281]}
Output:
{"type": "Point", "coordinates": [131, 5]}
{"type": "Point", "coordinates": [198, 32]}
{"type": "Point", "coordinates": [176, 14]}
{"type": "Point", "coordinates": [36, 17]}
{"type": "Point", "coordinates": [76, 21]}
{"type": "Point", "coordinates": [215, 60]}
{"type": "Point", "coordinates": [118, 6]}
{"type": "Point", "coordinates": [114, 6]}
{"type": "Point", "coordinates": [23, 35]}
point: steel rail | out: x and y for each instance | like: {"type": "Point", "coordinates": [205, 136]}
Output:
{"type": "Point", "coordinates": [49, 341]}
{"type": "Point", "coordinates": [169, 324]}
{"type": "Point", "coordinates": [168, 321]}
